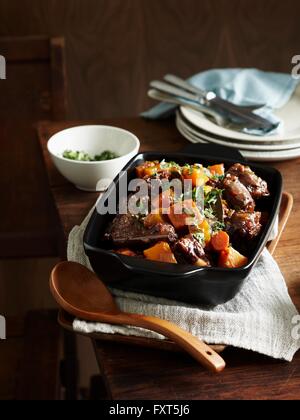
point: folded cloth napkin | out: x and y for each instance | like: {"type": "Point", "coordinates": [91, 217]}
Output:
{"type": "Point", "coordinates": [259, 318]}
{"type": "Point", "coordinates": [242, 87]}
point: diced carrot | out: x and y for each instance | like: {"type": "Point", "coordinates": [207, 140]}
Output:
{"type": "Point", "coordinates": [127, 252]}
{"type": "Point", "coordinates": [230, 258]}
{"type": "Point", "coordinates": [185, 213]}
{"type": "Point", "coordinates": [217, 169]}
{"type": "Point", "coordinates": [160, 252]}
{"type": "Point", "coordinates": [220, 241]}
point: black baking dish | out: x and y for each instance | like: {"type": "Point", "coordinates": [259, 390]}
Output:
{"type": "Point", "coordinates": [209, 286]}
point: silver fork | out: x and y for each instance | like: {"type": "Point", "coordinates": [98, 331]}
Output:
{"type": "Point", "coordinates": [177, 81]}
{"type": "Point", "coordinates": [215, 117]}
{"type": "Point", "coordinates": [163, 97]}
{"type": "Point", "coordinates": [231, 112]}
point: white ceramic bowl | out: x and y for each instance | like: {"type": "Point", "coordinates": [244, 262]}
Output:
{"type": "Point", "coordinates": [92, 139]}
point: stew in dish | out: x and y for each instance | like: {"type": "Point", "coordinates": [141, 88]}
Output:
{"type": "Point", "coordinates": [212, 220]}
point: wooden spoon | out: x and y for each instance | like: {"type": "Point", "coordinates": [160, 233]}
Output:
{"type": "Point", "coordinates": [81, 293]}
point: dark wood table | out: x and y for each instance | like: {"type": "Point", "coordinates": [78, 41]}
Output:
{"type": "Point", "coordinates": [142, 373]}
{"type": "Point", "coordinates": [28, 218]}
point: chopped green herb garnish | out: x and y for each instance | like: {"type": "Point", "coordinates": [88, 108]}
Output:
{"type": "Point", "coordinates": [212, 196]}
{"type": "Point", "coordinates": [163, 164]}
{"type": "Point", "coordinates": [199, 236]}
{"type": "Point", "coordinates": [217, 177]}
{"type": "Point", "coordinates": [189, 168]}
{"type": "Point", "coordinates": [168, 165]}
{"type": "Point", "coordinates": [197, 194]}
{"type": "Point", "coordinates": [106, 155]}
{"type": "Point", "coordinates": [85, 157]}
{"type": "Point", "coordinates": [82, 156]}
{"type": "Point", "coordinates": [217, 226]}
{"type": "Point", "coordinates": [208, 213]}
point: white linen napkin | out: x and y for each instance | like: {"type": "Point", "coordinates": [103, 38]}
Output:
{"type": "Point", "coordinates": [261, 317]}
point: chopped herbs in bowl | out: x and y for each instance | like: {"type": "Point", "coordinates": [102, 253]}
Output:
{"type": "Point", "coordinates": [91, 156]}
{"type": "Point", "coordinates": [85, 157]}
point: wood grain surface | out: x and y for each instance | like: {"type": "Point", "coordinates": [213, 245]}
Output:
{"type": "Point", "coordinates": [27, 216]}
{"type": "Point", "coordinates": [114, 48]}
{"type": "Point", "coordinates": [139, 373]}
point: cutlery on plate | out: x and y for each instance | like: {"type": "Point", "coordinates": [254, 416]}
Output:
{"type": "Point", "coordinates": [210, 113]}
{"type": "Point", "coordinates": [164, 97]}
{"type": "Point", "coordinates": [225, 108]}
{"type": "Point", "coordinates": [81, 293]}
{"type": "Point", "coordinates": [177, 81]}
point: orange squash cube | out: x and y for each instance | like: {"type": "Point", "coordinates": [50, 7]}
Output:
{"type": "Point", "coordinates": [231, 258]}
{"type": "Point", "coordinates": [160, 252]}
{"type": "Point", "coordinates": [205, 227]}
{"type": "Point", "coordinates": [217, 169]}
{"type": "Point", "coordinates": [196, 175]}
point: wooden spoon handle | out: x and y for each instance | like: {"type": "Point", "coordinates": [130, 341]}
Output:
{"type": "Point", "coordinates": [195, 347]}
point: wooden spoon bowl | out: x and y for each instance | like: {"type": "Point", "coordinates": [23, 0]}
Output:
{"type": "Point", "coordinates": [81, 293]}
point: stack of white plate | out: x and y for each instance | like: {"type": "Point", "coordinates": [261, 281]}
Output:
{"type": "Point", "coordinates": [197, 128]}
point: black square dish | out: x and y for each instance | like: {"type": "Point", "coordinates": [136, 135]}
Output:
{"type": "Point", "coordinates": [206, 285]}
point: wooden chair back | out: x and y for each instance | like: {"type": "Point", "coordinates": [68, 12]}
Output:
{"type": "Point", "coordinates": [35, 84]}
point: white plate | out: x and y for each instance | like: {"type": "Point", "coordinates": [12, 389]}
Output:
{"type": "Point", "coordinates": [275, 156]}
{"type": "Point", "coordinates": [227, 142]}
{"type": "Point", "coordinates": [289, 115]}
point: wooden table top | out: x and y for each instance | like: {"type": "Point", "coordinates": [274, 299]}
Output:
{"type": "Point", "coordinates": [140, 373]}
{"type": "Point", "coordinates": [27, 215]}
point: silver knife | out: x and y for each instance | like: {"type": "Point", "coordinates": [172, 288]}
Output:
{"type": "Point", "coordinates": [209, 99]}
{"type": "Point", "coordinates": [177, 81]}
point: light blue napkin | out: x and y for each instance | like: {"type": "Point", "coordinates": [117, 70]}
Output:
{"type": "Point", "coordinates": [242, 87]}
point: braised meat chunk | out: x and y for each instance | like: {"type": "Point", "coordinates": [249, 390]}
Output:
{"type": "Point", "coordinates": [123, 228]}
{"type": "Point", "coordinates": [244, 225]}
{"type": "Point", "coordinates": [128, 230]}
{"type": "Point", "coordinates": [237, 194]}
{"type": "Point", "coordinates": [164, 231]}
{"type": "Point", "coordinates": [255, 185]}
{"type": "Point", "coordinates": [189, 250]}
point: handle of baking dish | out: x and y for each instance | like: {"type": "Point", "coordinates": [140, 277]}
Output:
{"type": "Point", "coordinates": [215, 150]}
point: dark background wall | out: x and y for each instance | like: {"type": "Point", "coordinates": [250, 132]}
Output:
{"type": "Point", "coordinates": [115, 47]}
